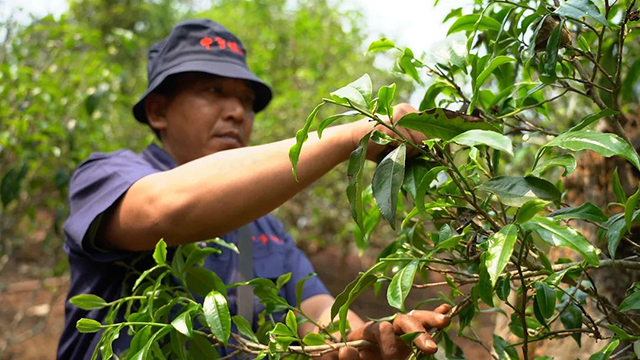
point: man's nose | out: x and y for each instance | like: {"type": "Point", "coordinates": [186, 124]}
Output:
{"type": "Point", "coordinates": [233, 109]}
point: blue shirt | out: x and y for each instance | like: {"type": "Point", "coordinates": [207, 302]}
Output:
{"type": "Point", "coordinates": [96, 185]}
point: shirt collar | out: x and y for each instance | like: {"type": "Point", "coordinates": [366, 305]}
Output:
{"type": "Point", "coordinates": [158, 158]}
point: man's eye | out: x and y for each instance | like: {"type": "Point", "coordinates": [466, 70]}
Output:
{"type": "Point", "coordinates": [216, 90]}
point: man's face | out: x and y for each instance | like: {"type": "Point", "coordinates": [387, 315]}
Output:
{"type": "Point", "coordinates": [207, 114]}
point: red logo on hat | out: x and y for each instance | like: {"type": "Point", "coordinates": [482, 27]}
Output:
{"type": "Point", "coordinates": [222, 44]}
{"type": "Point", "coordinates": [206, 42]}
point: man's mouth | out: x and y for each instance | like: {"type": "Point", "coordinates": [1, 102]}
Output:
{"type": "Point", "coordinates": [229, 137]}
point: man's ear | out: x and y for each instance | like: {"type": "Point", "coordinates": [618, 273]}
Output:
{"type": "Point", "coordinates": [155, 106]}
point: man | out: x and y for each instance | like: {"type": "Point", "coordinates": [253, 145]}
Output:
{"type": "Point", "coordinates": [205, 182]}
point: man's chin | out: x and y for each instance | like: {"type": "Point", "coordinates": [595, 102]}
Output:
{"type": "Point", "coordinates": [222, 147]}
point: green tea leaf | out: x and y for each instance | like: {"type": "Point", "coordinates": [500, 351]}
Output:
{"type": "Point", "coordinates": [590, 119]}
{"type": "Point", "coordinates": [350, 293]}
{"type": "Point", "coordinates": [468, 22]}
{"type": "Point", "coordinates": [244, 328]}
{"type": "Point", "coordinates": [503, 287]}
{"type": "Point", "coordinates": [160, 253]}
{"type": "Point", "coordinates": [381, 138]}
{"type": "Point", "coordinates": [491, 139]}
{"type": "Point", "coordinates": [567, 161]}
{"type": "Point", "coordinates": [140, 340]}
{"type": "Point", "coordinates": [357, 92]}
{"type": "Point", "coordinates": [606, 351]}
{"type": "Point", "coordinates": [300, 288]}
{"type": "Point", "coordinates": [88, 302]}
{"type": "Point", "coordinates": [201, 280]}
{"type": "Point", "coordinates": [504, 349]}
{"type": "Point", "coordinates": [282, 330]}
{"type": "Point", "coordinates": [201, 348]}
{"type": "Point", "coordinates": [493, 65]}
{"type": "Point", "coordinates": [616, 231]}
{"type": "Point", "coordinates": [331, 119]}
{"type": "Point", "coordinates": [143, 276]}
{"type": "Point", "coordinates": [630, 208]}
{"type": "Point", "coordinates": [443, 124]}
{"type": "Point", "coordinates": [183, 324]}
{"type": "Point", "coordinates": [225, 244]}
{"type": "Point", "coordinates": [301, 136]}
{"type": "Point", "coordinates": [586, 211]}
{"type": "Point", "coordinates": [485, 285]}
{"type": "Point", "coordinates": [407, 65]}
{"type": "Point", "coordinates": [583, 44]}
{"type": "Point", "coordinates": [401, 285]}
{"type": "Point", "coordinates": [623, 335]}
{"type": "Point", "coordinates": [571, 318]}
{"type": "Point", "coordinates": [197, 256]}
{"type": "Point", "coordinates": [618, 191]}
{"type": "Point", "coordinates": [216, 313]}
{"type": "Point", "coordinates": [85, 325]}
{"type": "Point", "coordinates": [291, 321]}
{"type": "Point", "coordinates": [555, 234]}
{"type": "Point", "coordinates": [386, 94]}
{"type": "Point", "coordinates": [529, 210]}
{"type": "Point", "coordinates": [499, 251]}
{"type": "Point", "coordinates": [548, 73]}
{"type": "Point", "coordinates": [632, 302]}
{"type": "Point", "coordinates": [545, 298]}
{"type": "Point", "coordinates": [108, 337]}
{"type": "Point", "coordinates": [283, 279]}
{"type": "Point", "coordinates": [354, 187]}
{"type": "Point", "coordinates": [381, 44]}
{"type": "Point", "coordinates": [578, 9]}
{"type": "Point", "coordinates": [604, 144]}
{"type": "Point", "coordinates": [387, 181]}
{"type": "Point", "coordinates": [465, 316]}
{"type": "Point", "coordinates": [312, 339]}
{"type": "Point", "coordinates": [408, 338]}
{"type": "Point", "coordinates": [516, 191]}
{"type": "Point", "coordinates": [424, 186]}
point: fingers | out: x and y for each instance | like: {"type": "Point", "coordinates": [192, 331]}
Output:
{"type": "Point", "coordinates": [405, 324]}
{"type": "Point", "coordinates": [383, 334]}
{"type": "Point", "coordinates": [401, 110]}
{"type": "Point", "coordinates": [433, 319]}
{"type": "Point", "coordinates": [443, 309]}
{"type": "Point", "coordinates": [348, 353]}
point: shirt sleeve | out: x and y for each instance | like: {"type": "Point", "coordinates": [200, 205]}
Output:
{"type": "Point", "coordinates": [96, 185]}
{"type": "Point", "coordinates": [300, 267]}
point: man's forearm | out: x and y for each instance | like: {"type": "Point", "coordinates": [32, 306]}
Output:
{"type": "Point", "coordinates": [319, 309]}
{"type": "Point", "coordinates": [218, 193]}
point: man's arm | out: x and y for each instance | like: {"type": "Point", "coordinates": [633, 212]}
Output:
{"type": "Point", "coordinates": [213, 195]}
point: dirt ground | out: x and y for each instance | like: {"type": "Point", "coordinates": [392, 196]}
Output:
{"type": "Point", "coordinates": [32, 311]}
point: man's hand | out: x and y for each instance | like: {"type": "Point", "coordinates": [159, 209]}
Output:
{"type": "Point", "coordinates": [386, 335]}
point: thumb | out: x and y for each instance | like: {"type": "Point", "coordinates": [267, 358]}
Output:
{"type": "Point", "coordinates": [348, 353]}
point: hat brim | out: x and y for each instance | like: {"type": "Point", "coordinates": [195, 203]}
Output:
{"type": "Point", "coordinates": [220, 68]}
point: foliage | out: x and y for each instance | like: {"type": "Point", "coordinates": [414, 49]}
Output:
{"type": "Point", "coordinates": [473, 207]}
{"type": "Point", "coordinates": [57, 87]}
{"type": "Point", "coordinates": [485, 220]}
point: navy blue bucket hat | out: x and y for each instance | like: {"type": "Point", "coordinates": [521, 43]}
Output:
{"type": "Point", "coordinates": [205, 46]}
